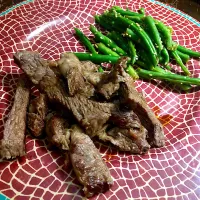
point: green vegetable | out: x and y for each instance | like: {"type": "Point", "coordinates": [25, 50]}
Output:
{"type": "Point", "coordinates": [125, 12]}
{"type": "Point", "coordinates": [100, 69]}
{"type": "Point", "coordinates": [107, 41]}
{"type": "Point", "coordinates": [166, 35]}
{"type": "Point", "coordinates": [142, 37]}
{"type": "Point", "coordinates": [184, 57]}
{"type": "Point", "coordinates": [152, 31]}
{"type": "Point", "coordinates": [85, 41]}
{"type": "Point", "coordinates": [167, 76]}
{"type": "Point", "coordinates": [165, 57]}
{"type": "Point", "coordinates": [142, 11]}
{"type": "Point", "coordinates": [118, 39]}
{"type": "Point", "coordinates": [132, 52]}
{"type": "Point", "coordinates": [134, 18]}
{"type": "Point", "coordinates": [131, 71]}
{"type": "Point", "coordinates": [130, 34]}
{"type": "Point", "coordinates": [105, 50]}
{"type": "Point", "coordinates": [97, 58]}
{"type": "Point", "coordinates": [188, 51]}
{"type": "Point", "coordinates": [180, 63]}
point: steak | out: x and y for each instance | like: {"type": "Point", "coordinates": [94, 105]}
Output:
{"type": "Point", "coordinates": [57, 131]}
{"type": "Point", "coordinates": [87, 163]}
{"type": "Point", "coordinates": [71, 68]}
{"type": "Point", "coordinates": [132, 99]}
{"type": "Point", "coordinates": [13, 144]}
{"type": "Point", "coordinates": [91, 115]}
{"type": "Point", "coordinates": [36, 114]}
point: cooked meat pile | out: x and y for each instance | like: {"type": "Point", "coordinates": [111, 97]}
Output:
{"type": "Point", "coordinates": [104, 106]}
{"type": "Point", "coordinates": [36, 114]}
{"type": "Point", "coordinates": [12, 144]}
{"type": "Point", "coordinates": [87, 163]}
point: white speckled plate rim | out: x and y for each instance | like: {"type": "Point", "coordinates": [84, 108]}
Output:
{"type": "Point", "coordinates": [191, 19]}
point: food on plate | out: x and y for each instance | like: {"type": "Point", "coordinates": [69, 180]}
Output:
{"type": "Point", "coordinates": [12, 144]}
{"type": "Point", "coordinates": [57, 131]}
{"type": "Point", "coordinates": [37, 111]}
{"type": "Point", "coordinates": [88, 165]}
{"type": "Point", "coordinates": [145, 40]}
{"type": "Point", "coordinates": [97, 103]}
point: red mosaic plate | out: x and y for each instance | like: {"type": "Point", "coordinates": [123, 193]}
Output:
{"type": "Point", "coordinates": [171, 172]}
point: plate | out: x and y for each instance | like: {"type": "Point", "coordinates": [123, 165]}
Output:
{"type": "Point", "coordinates": [171, 172]}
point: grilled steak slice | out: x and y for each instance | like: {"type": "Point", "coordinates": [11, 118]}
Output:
{"type": "Point", "coordinates": [110, 82]}
{"type": "Point", "coordinates": [132, 99]}
{"type": "Point", "coordinates": [71, 69]}
{"type": "Point", "coordinates": [12, 144]}
{"type": "Point", "coordinates": [57, 131]}
{"type": "Point", "coordinates": [36, 114]}
{"type": "Point", "coordinates": [90, 114]}
{"type": "Point", "coordinates": [91, 74]}
{"type": "Point", "coordinates": [129, 134]}
{"type": "Point", "coordinates": [87, 163]}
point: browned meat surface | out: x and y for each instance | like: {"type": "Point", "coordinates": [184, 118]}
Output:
{"type": "Point", "coordinates": [36, 114]}
{"type": "Point", "coordinates": [12, 144]}
{"type": "Point", "coordinates": [88, 165]}
{"type": "Point", "coordinates": [90, 114]}
{"type": "Point", "coordinates": [90, 73]}
{"type": "Point", "coordinates": [57, 131]}
{"type": "Point", "coordinates": [132, 99]}
{"type": "Point", "coordinates": [110, 82]}
{"type": "Point", "coordinates": [128, 134]}
{"type": "Point", "coordinates": [130, 114]}
{"type": "Point", "coordinates": [71, 69]}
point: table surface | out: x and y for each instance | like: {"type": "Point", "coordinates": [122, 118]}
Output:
{"type": "Point", "coordinates": [191, 7]}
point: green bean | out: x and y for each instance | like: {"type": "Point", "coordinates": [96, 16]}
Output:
{"type": "Point", "coordinates": [180, 63]}
{"type": "Point", "coordinates": [125, 12]}
{"type": "Point", "coordinates": [104, 24]}
{"type": "Point", "coordinates": [132, 52]}
{"type": "Point", "coordinates": [184, 57]}
{"type": "Point", "coordinates": [107, 41]}
{"type": "Point", "coordinates": [189, 52]}
{"type": "Point", "coordinates": [142, 11]}
{"type": "Point", "coordinates": [100, 69]}
{"type": "Point", "coordinates": [85, 41]}
{"type": "Point", "coordinates": [152, 30]}
{"type": "Point", "coordinates": [105, 50]}
{"type": "Point", "coordinates": [118, 39]}
{"type": "Point", "coordinates": [168, 76]}
{"type": "Point", "coordinates": [166, 35]}
{"type": "Point", "coordinates": [165, 57]}
{"type": "Point", "coordinates": [131, 71]}
{"type": "Point", "coordinates": [136, 19]}
{"type": "Point", "coordinates": [97, 58]}
{"type": "Point", "coordinates": [130, 34]}
{"type": "Point", "coordinates": [143, 38]}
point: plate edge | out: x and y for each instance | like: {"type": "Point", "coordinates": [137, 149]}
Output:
{"type": "Point", "coordinates": [15, 6]}
{"type": "Point", "coordinates": [177, 11]}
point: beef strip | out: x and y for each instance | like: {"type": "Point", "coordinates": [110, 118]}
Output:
{"type": "Point", "coordinates": [132, 99]}
{"type": "Point", "coordinates": [87, 163]}
{"type": "Point", "coordinates": [13, 144]}
{"type": "Point", "coordinates": [36, 114]}
{"type": "Point", "coordinates": [71, 69]}
{"type": "Point", "coordinates": [129, 134]}
{"type": "Point", "coordinates": [57, 131]}
{"type": "Point", "coordinates": [129, 140]}
{"type": "Point", "coordinates": [91, 74]}
{"type": "Point", "coordinates": [90, 114]}
{"type": "Point", "coordinates": [110, 82]}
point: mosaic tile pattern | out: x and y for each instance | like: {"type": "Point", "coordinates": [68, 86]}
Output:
{"type": "Point", "coordinates": [171, 172]}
